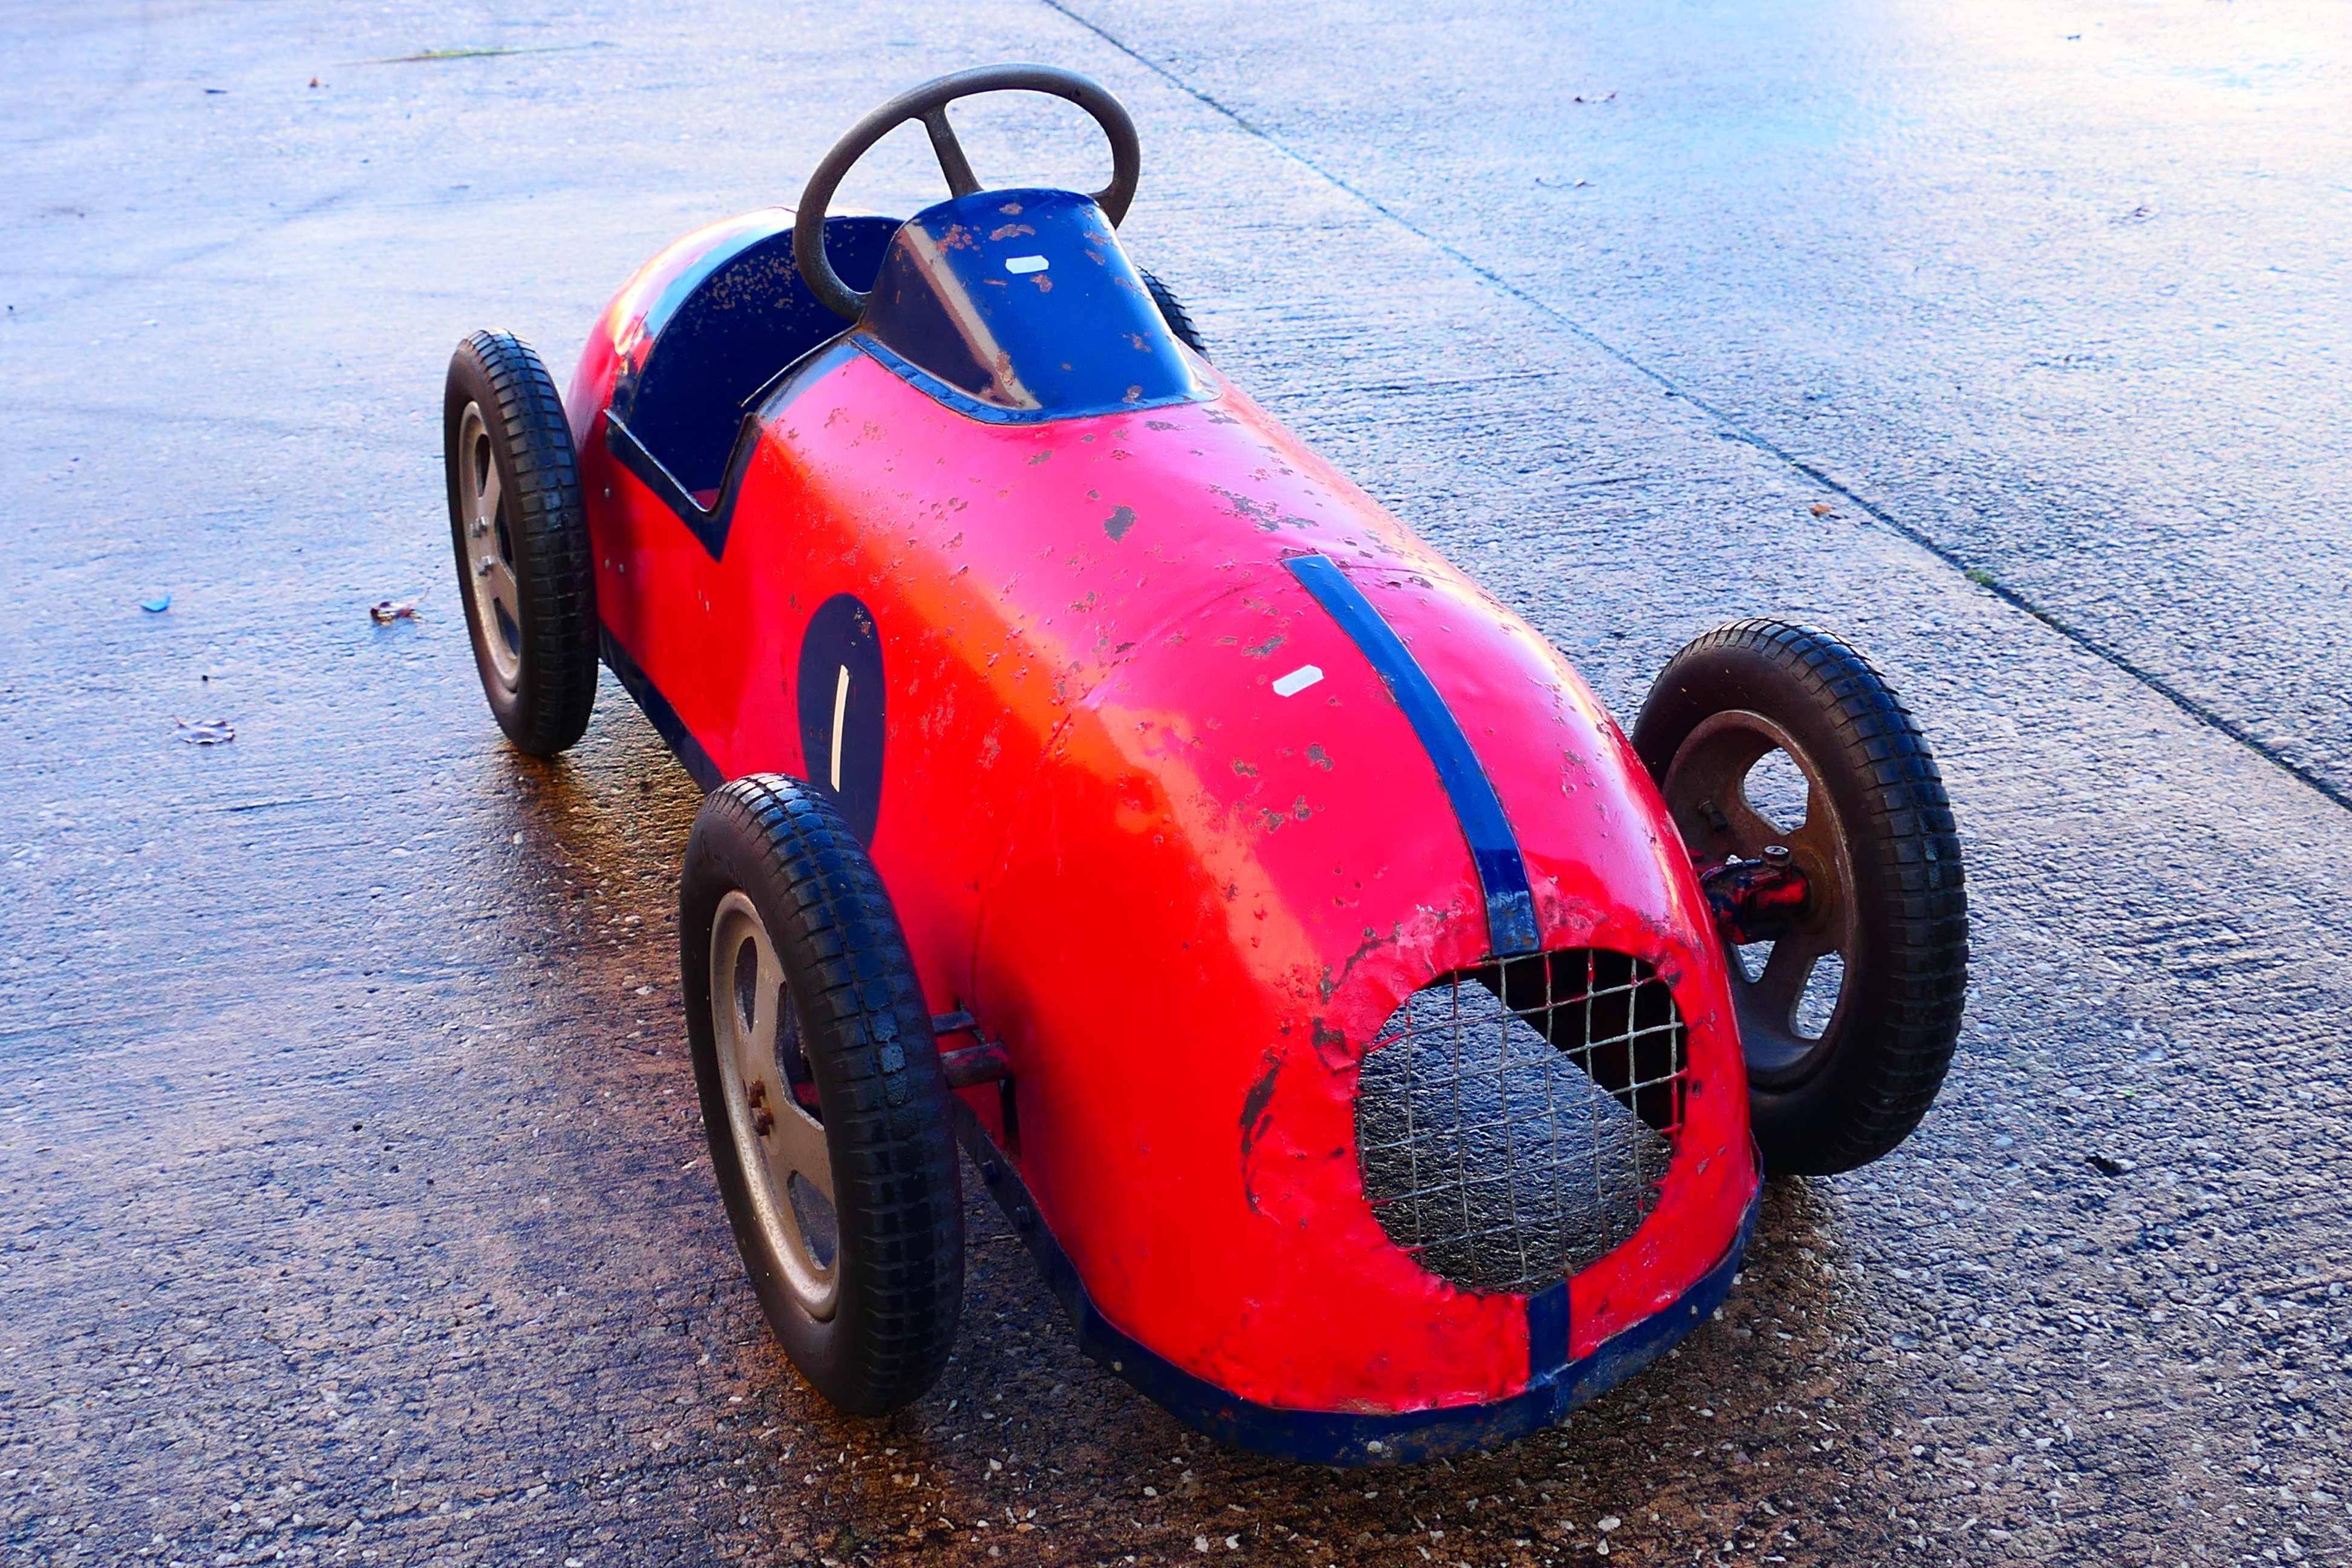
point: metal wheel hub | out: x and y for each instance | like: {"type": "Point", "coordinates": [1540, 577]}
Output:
{"type": "Point", "coordinates": [1791, 1003]}
{"type": "Point", "coordinates": [772, 1110]}
{"type": "Point", "coordinates": [490, 549]}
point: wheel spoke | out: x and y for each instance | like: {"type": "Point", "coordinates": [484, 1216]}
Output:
{"type": "Point", "coordinates": [488, 492]}
{"type": "Point", "coordinates": [488, 567]}
{"type": "Point", "coordinates": [1782, 985]}
{"type": "Point", "coordinates": [796, 1147]}
{"type": "Point", "coordinates": [1819, 836]}
{"type": "Point", "coordinates": [502, 615]}
{"type": "Point", "coordinates": [794, 1143]}
{"type": "Point", "coordinates": [961, 181]}
{"type": "Point", "coordinates": [1747, 830]}
{"type": "Point", "coordinates": [490, 560]}
{"type": "Point", "coordinates": [500, 584]}
{"type": "Point", "coordinates": [757, 1053]}
{"type": "Point", "coordinates": [785, 1159]}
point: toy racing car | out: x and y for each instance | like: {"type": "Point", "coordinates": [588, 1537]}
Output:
{"type": "Point", "coordinates": [1364, 1037]}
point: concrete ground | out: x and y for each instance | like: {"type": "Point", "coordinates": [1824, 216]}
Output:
{"type": "Point", "coordinates": [352, 1204]}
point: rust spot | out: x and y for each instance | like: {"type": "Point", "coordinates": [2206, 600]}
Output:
{"type": "Point", "coordinates": [1274, 817]}
{"type": "Point", "coordinates": [1161, 424]}
{"type": "Point", "coordinates": [1243, 769]}
{"type": "Point", "coordinates": [1121, 519]}
{"type": "Point", "coordinates": [1266, 518]}
{"type": "Point", "coordinates": [1008, 231]}
{"type": "Point", "coordinates": [1040, 458]}
{"type": "Point", "coordinates": [1266, 647]}
{"type": "Point", "coordinates": [1372, 938]}
{"type": "Point", "coordinates": [1319, 757]}
{"type": "Point", "coordinates": [1244, 506]}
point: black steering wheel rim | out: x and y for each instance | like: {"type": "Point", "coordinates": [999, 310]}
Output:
{"type": "Point", "coordinates": [928, 104]}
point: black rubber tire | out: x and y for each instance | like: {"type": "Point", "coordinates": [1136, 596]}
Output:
{"type": "Point", "coordinates": [544, 534]}
{"type": "Point", "coordinates": [867, 1039]}
{"type": "Point", "coordinates": [1172, 311]}
{"type": "Point", "coordinates": [1884, 1059]}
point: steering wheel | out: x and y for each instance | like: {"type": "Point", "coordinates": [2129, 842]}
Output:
{"type": "Point", "coordinates": [928, 104]}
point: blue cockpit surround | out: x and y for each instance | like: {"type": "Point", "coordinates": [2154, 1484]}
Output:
{"type": "Point", "coordinates": [720, 334]}
{"type": "Point", "coordinates": [1018, 307]}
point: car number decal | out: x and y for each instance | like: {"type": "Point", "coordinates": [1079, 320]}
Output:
{"type": "Point", "coordinates": [840, 693]}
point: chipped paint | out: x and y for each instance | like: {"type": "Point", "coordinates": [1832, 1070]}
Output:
{"type": "Point", "coordinates": [1256, 1116]}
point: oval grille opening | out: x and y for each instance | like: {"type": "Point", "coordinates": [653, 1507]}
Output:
{"type": "Point", "coordinates": [1513, 1121]}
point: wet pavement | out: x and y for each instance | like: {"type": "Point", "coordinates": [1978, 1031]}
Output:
{"type": "Point", "coordinates": [351, 1184]}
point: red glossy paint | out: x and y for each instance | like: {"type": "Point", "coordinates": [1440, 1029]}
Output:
{"type": "Point", "coordinates": [1171, 892]}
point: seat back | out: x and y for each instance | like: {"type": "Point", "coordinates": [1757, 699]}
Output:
{"type": "Point", "coordinates": [746, 318]}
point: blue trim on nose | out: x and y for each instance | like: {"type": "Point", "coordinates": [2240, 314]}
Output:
{"type": "Point", "coordinates": [1502, 871]}
{"type": "Point", "coordinates": [1555, 1386]}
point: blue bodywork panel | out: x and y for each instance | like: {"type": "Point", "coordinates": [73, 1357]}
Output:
{"type": "Point", "coordinates": [1502, 871]}
{"type": "Point", "coordinates": [1008, 306]}
{"type": "Point", "coordinates": [1019, 307]}
{"type": "Point", "coordinates": [722, 332]}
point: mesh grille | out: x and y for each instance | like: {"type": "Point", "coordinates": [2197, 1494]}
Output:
{"type": "Point", "coordinates": [1514, 1121]}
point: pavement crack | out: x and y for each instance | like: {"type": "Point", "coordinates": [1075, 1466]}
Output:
{"type": "Point", "coordinates": [2196, 710]}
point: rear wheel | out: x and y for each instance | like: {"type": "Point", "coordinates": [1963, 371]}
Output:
{"type": "Point", "coordinates": [1763, 736]}
{"type": "Point", "coordinates": [521, 539]}
{"type": "Point", "coordinates": [822, 1093]}
{"type": "Point", "coordinates": [1172, 311]}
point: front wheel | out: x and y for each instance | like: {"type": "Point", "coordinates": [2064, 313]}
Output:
{"type": "Point", "coordinates": [822, 1093]}
{"type": "Point", "coordinates": [1776, 745]}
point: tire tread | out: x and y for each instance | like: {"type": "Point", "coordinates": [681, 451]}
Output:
{"type": "Point", "coordinates": [553, 568]}
{"type": "Point", "coordinates": [885, 1094]}
{"type": "Point", "coordinates": [1921, 895]}
{"type": "Point", "coordinates": [1172, 311]}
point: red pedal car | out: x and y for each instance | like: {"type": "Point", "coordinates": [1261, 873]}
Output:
{"type": "Point", "coordinates": [1374, 1048]}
